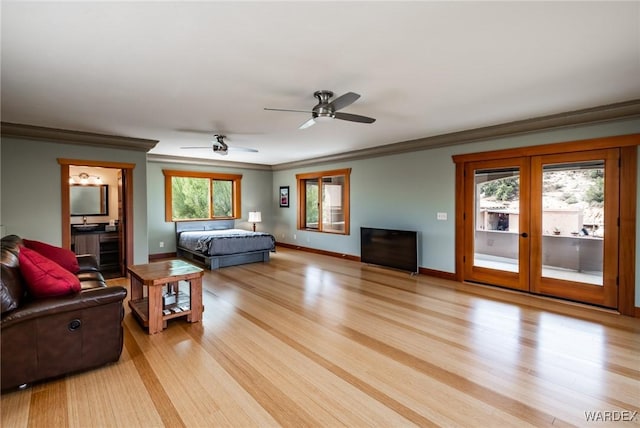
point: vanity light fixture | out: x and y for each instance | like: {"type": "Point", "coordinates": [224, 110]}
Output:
{"type": "Point", "coordinates": [84, 179]}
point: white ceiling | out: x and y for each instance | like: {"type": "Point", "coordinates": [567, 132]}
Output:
{"type": "Point", "coordinates": [164, 70]}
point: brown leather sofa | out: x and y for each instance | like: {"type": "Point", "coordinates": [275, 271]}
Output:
{"type": "Point", "coordinates": [43, 338]}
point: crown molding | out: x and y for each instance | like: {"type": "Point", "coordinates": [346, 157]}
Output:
{"type": "Point", "coordinates": [55, 135]}
{"type": "Point", "coordinates": [209, 162]}
{"type": "Point", "coordinates": [605, 113]}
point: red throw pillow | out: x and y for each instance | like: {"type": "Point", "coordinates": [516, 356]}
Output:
{"type": "Point", "coordinates": [44, 277]}
{"type": "Point", "coordinates": [65, 258]}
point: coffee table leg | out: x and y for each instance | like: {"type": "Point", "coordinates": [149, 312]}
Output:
{"type": "Point", "coordinates": [155, 309]}
{"type": "Point", "coordinates": [136, 288]}
{"type": "Point", "coordinates": [195, 292]}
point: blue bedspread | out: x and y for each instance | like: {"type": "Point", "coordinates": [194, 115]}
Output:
{"type": "Point", "coordinates": [227, 241]}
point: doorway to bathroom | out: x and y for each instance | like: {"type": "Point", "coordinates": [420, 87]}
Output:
{"type": "Point", "coordinates": [97, 212]}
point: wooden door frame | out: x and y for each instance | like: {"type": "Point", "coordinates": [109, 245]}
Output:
{"type": "Point", "coordinates": [127, 169]}
{"type": "Point", "coordinates": [628, 186]}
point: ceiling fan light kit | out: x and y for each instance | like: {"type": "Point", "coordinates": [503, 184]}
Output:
{"type": "Point", "coordinates": [307, 124]}
{"type": "Point", "coordinates": [327, 110]}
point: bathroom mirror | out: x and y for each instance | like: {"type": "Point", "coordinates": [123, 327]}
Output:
{"type": "Point", "coordinates": [89, 200]}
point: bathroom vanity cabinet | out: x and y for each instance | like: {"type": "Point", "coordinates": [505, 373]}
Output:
{"type": "Point", "coordinates": [104, 245]}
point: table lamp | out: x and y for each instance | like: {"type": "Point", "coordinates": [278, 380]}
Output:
{"type": "Point", "coordinates": [255, 217]}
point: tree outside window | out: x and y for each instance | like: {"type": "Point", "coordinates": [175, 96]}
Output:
{"type": "Point", "coordinates": [222, 198]}
{"type": "Point", "coordinates": [192, 195]}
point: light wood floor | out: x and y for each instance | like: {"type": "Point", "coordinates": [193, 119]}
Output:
{"type": "Point", "coordinates": [310, 340]}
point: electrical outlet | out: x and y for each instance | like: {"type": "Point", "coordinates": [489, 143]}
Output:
{"type": "Point", "coordinates": [294, 237]}
{"type": "Point", "coordinates": [441, 216]}
{"type": "Point", "coordinates": [161, 244]}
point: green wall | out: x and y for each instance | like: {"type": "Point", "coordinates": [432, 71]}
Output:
{"type": "Point", "coordinates": [30, 185]}
{"type": "Point", "coordinates": [403, 191]}
{"type": "Point", "coordinates": [406, 191]}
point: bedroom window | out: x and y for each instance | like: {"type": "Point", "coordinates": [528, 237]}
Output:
{"type": "Point", "coordinates": [192, 195]}
{"type": "Point", "coordinates": [323, 201]}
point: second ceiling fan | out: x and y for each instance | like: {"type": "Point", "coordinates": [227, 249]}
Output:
{"type": "Point", "coordinates": [326, 109]}
{"type": "Point", "coordinates": [220, 147]}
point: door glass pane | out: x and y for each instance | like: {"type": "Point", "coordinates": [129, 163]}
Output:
{"type": "Point", "coordinates": [573, 221]}
{"type": "Point", "coordinates": [332, 209]}
{"type": "Point", "coordinates": [496, 217]}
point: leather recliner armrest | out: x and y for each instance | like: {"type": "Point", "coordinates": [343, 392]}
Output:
{"type": "Point", "coordinates": [83, 300]}
{"type": "Point", "coordinates": [87, 262]}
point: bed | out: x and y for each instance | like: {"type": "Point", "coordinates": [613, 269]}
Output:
{"type": "Point", "coordinates": [217, 243]}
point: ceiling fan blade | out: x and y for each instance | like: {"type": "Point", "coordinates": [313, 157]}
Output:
{"type": "Point", "coordinates": [344, 100]}
{"type": "Point", "coordinates": [210, 132]}
{"type": "Point", "coordinates": [354, 117]}
{"type": "Point", "coordinates": [196, 147]}
{"type": "Point", "coordinates": [307, 124]}
{"type": "Point", "coordinates": [283, 109]}
{"type": "Point", "coordinates": [194, 131]}
{"type": "Point", "coordinates": [242, 149]}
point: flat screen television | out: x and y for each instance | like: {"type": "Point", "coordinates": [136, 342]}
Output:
{"type": "Point", "coordinates": [387, 247]}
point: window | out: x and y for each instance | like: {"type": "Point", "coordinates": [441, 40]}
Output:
{"type": "Point", "coordinates": [191, 195]}
{"type": "Point", "coordinates": [323, 201]}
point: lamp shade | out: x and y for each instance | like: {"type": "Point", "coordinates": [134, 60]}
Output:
{"type": "Point", "coordinates": [255, 217]}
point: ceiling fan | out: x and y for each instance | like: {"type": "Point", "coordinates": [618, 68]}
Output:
{"type": "Point", "coordinates": [326, 109]}
{"type": "Point", "coordinates": [220, 147]}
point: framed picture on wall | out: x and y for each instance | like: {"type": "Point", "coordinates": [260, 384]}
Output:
{"type": "Point", "coordinates": [284, 196]}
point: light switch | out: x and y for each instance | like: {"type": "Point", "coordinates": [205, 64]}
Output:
{"type": "Point", "coordinates": [441, 216]}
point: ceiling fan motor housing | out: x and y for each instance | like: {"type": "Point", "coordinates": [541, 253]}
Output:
{"type": "Point", "coordinates": [323, 109]}
{"type": "Point", "coordinates": [220, 146]}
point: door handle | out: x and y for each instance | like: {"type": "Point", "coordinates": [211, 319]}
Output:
{"type": "Point", "coordinates": [524, 235]}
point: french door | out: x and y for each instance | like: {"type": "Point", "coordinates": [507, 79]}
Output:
{"type": "Point", "coordinates": [497, 222]}
{"type": "Point", "coordinates": [546, 224]}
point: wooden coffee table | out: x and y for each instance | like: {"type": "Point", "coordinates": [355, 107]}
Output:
{"type": "Point", "coordinates": [155, 276]}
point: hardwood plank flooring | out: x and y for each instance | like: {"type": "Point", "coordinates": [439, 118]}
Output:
{"type": "Point", "coordinates": [311, 340]}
